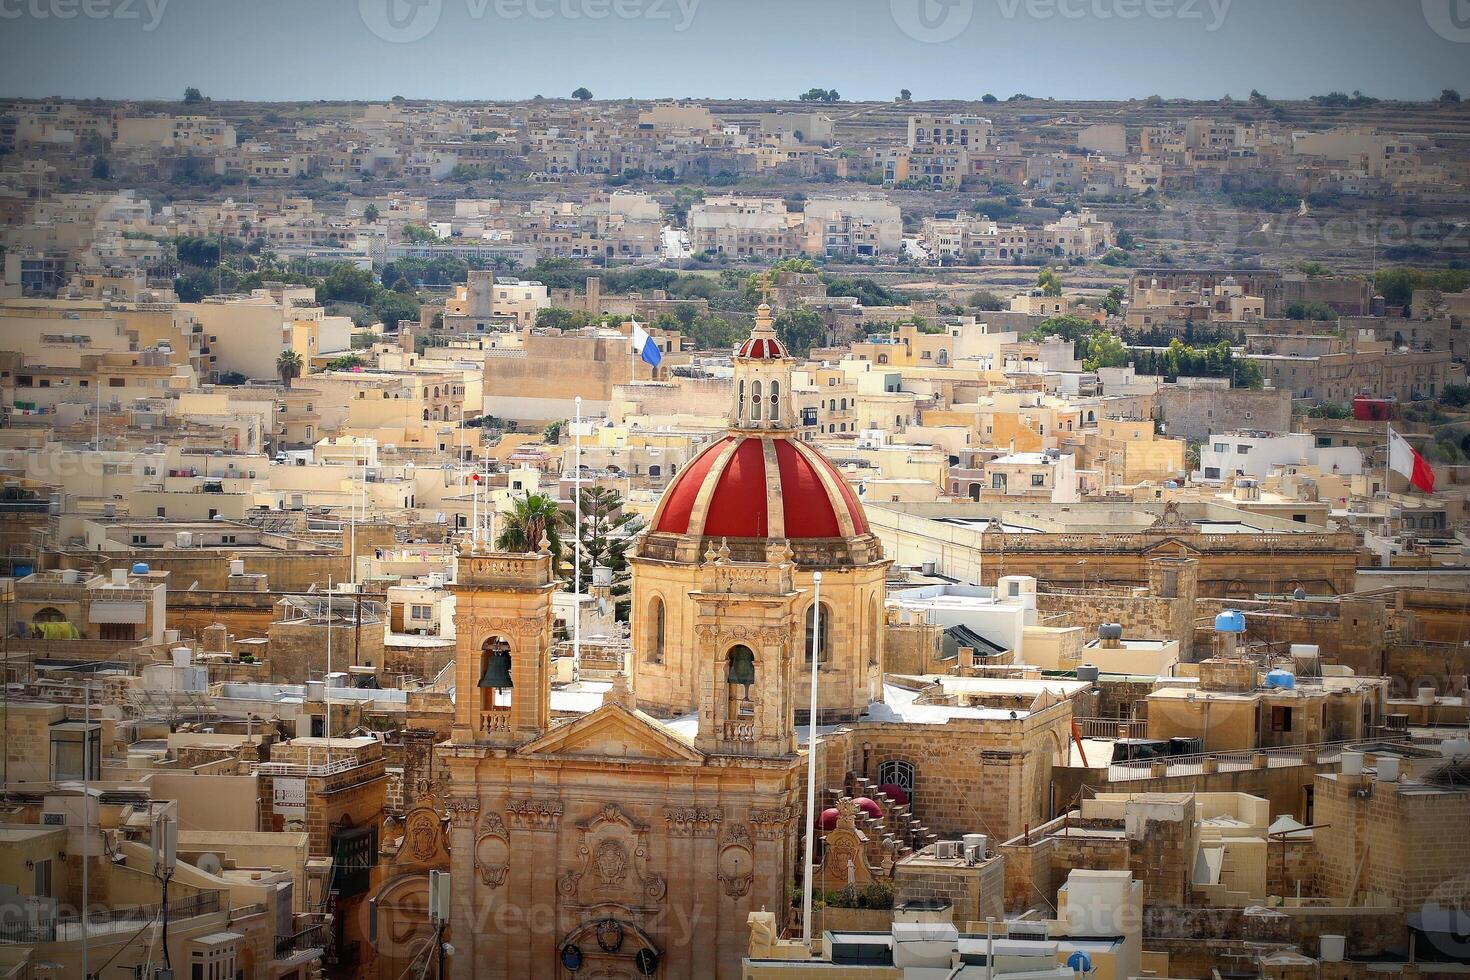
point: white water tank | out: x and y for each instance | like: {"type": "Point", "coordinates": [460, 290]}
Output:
{"type": "Point", "coordinates": [1332, 948]}
{"type": "Point", "coordinates": [1427, 694]}
{"type": "Point", "coordinates": [71, 576]}
{"type": "Point", "coordinates": [237, 566]}
{"type": "Point", "coordinates": [181, 656]}
{"type": "Point", "coordinates": [1352, 763]}
{"type": "Point", "coordinates": [1388, 768]}
{"type": "Point", "coordinates": [120, 578]}
{"type": "Point", "coordinates": [315, 690]}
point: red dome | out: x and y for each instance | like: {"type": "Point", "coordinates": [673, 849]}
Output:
{"type": "Point", "coordinates": [895, 793]}
{"type": "Point", "coordinates": [869, 806]}
{"type": "Point", "coordinates": [828, 819]}
{"type": "Point", "coordinates": [762, 349]}
{"type": "Point", "coordinates": [726, 491]}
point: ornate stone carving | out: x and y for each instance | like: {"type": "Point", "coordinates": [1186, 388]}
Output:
{"type": "Point", "coordinates": [772, 824]}
{"type": "Point", "coordinates": [765, 635]}
{"type": "Point", "coordinates": [462, 810]}
{"type": "Point", "coordinates": [533, 814]}
{"type": "Point", "coordinates": [612, 845]}
{"type": "Point", "coordinates": [693, 821]}
{"type": "Point", "coordinates": [492, 851]}
{"type": "Point", "coordinates": [736, 867]}
{"type": "Point", "coordinates": [522, 626]}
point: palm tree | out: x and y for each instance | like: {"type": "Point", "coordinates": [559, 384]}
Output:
{"type": "Point", "coordinates": [533, 516]}
{"type": "Point", "coordinates": [288, 366]}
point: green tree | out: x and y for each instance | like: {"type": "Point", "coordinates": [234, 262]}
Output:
{"type": "Point", "coordinates": [1449, 95]}
{"type": "Point", "coordinates": [391, 307]}
{"type": "Point", "coordinates": [1112, 303]}
{"type": "Point", "coordinates": [1049, 281]}
{"type": "Point", "coordinates": [582, 95]}
{"type": "Point", "coordinates": [193, 95]}
{"type": "Point", "coordinates": [1314, 310]}
{"type": "Point", "coordinates": [607, 532]}
{"type": "Point", "coordinates": [801, 330]}
{"type": "Point", "coordinates": [987, 98]}
{"type": "Point", "coordinates": [101, 169]}
{"type": "Point", "coordinates": [1072, 328]}
{"type": "Point", "coordinates": [532, 517]}
{"type": "Point", "coordinates": [288, 366]}
{"type": "Point", "coordinates": [346, 283]}
{"type": "Point", "coordinates": [552, 433]}
{"type": "Point", "coordinates": [904, 95]}
{"type": "Point", "coordinates": [1104, 350]}
{"type": "Point", "coordinates": [419, 235]}
{"type": "Point", "coordinates": [370, 213]}
{"type": "Point", "coordinates": [985, 300]}
{"type": "Point", "coordinates": [1455, 396]}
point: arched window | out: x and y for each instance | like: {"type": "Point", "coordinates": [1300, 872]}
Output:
{"type": "Point", "coordinates": [875, 623]}
{"type": "Point", "coordinates": [426, 415]}
{"type": "Point", "coordinates": [943, 357]}
{"type": "Point", "coordinates": [740, 404]}
{"type": "Point", "coordinates": [775, 401]}
{"type": "Point", "coordinates": [755, 401]}
{"type": "Point", "coordinates": [897, 772]}
{"type": "Point", "coordinates": [656, 628]}
{"type": "Point", "coordinates": [655, 470]}
{"type": "Point", "coordinates": [740, 671]}
{"type": "Point", "coordinates": [823, 650]}
{"type": "Point", "coordinates": [844, 404]}
{"type": "Point", "coordinates": [495, 678]}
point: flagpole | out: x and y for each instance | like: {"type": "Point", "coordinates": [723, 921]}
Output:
{"type": "Point", "coordinates": [811, 769]}
{"type": "Point", "coordinates": [577, 541]}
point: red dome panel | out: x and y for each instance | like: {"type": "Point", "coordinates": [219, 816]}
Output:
{"type": "Point", "coordinates": [738, 507]}
{"type": "Point", "coordinates": [849, 497]}
{"type": "Point", "coordinates": [805, 506]}
{"type": "Point", "coordinates": [762, 349]}
{"type": "Point", "coordinates": [680, 496]}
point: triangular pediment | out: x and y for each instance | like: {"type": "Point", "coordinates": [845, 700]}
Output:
{"type": "Point", "coordinates": [614, 732]}
{"type": "Point", "coordinates": [1170, 546]}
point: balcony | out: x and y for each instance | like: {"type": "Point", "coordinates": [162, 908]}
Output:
{"type": "Point", "coordinates": [309, 942]}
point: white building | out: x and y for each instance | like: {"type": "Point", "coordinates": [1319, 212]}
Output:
{"type": "Point", "coordinates": [1227, 455]}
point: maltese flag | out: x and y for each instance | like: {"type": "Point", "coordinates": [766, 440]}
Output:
{"type": "Point", "coordinates": [644, 345]}
{"type": "Point", "coordinates": [1402, 459]}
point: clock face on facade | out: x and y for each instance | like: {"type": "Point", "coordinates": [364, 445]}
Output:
{"type": "Point", "coordinates": [735, 862]}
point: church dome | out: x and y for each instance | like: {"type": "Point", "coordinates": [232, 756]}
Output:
{"type": "Point", "coordinates": [760, 484]}
{"type": "Point", "coordinates": [754, 485]}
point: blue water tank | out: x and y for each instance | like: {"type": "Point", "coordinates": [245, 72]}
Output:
{"type": "Point", "coordinates": [1283, 679]}
{"type": "Point", "coordinates": [1230, 621]}
{"type": "Point", "coordinates": [140, 568]}
{"type": "Point", "coordinates": [21, 571]}
{"type": "Point", "coordinates": [1080, 962]}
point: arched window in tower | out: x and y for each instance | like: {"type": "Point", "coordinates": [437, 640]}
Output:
{"type": "Point", "coordinates": [875, 624]}
{"type": "Point", "coordinates": [775, 401]}
{"type": "Point", "coordinates": [740, 672]}
{"type": "Point", "coordinates": [656, 626]}
{"type": "Point", "coordinates": [740, 404]}
{"type": "Point", "coordinates": [495, 683]}
{"type": "Point", "coordinates": [755, 401]}
{"type": "Point", "coordinates": [823, 651]}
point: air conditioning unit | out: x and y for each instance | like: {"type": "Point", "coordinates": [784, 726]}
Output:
{"type": "Point", "coordinates": [947, 850]}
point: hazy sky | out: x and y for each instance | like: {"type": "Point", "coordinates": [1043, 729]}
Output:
{"type": "Point", "coordinates": [866, 49]}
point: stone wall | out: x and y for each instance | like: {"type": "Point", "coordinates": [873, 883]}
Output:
{"type": "Point", "coordinates": [972, 892]}
{"type": "Point", "coordinates": [1195, 413]}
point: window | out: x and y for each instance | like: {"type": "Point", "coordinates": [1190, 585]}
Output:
{"type": "Point", "coordinates": [1038, 479]}
{"type": "Point", "coordinates": [656, 626]}
{"type": "Point", "coordinates": [1280, 718]}
{"type": "Point", "coordinates": [1221, 447]}
{"type": "Point", "coordinates": [897, 772]}
{"type": "Point", "coordinates": [419, 611]}
{"type": "Point", "coordinates": [997, 481]}
{"type": "Point", "coordinates": [755, 401]}
{"type": "Point", "coordinates": [775, 401]}
{"type": "Point", "coordinates": [140, 539]}
{"type": "Point", "coordinates": [823, 654]}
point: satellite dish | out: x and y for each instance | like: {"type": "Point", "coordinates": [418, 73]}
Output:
{"type": "Point", "coordinates": [209, 864]}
